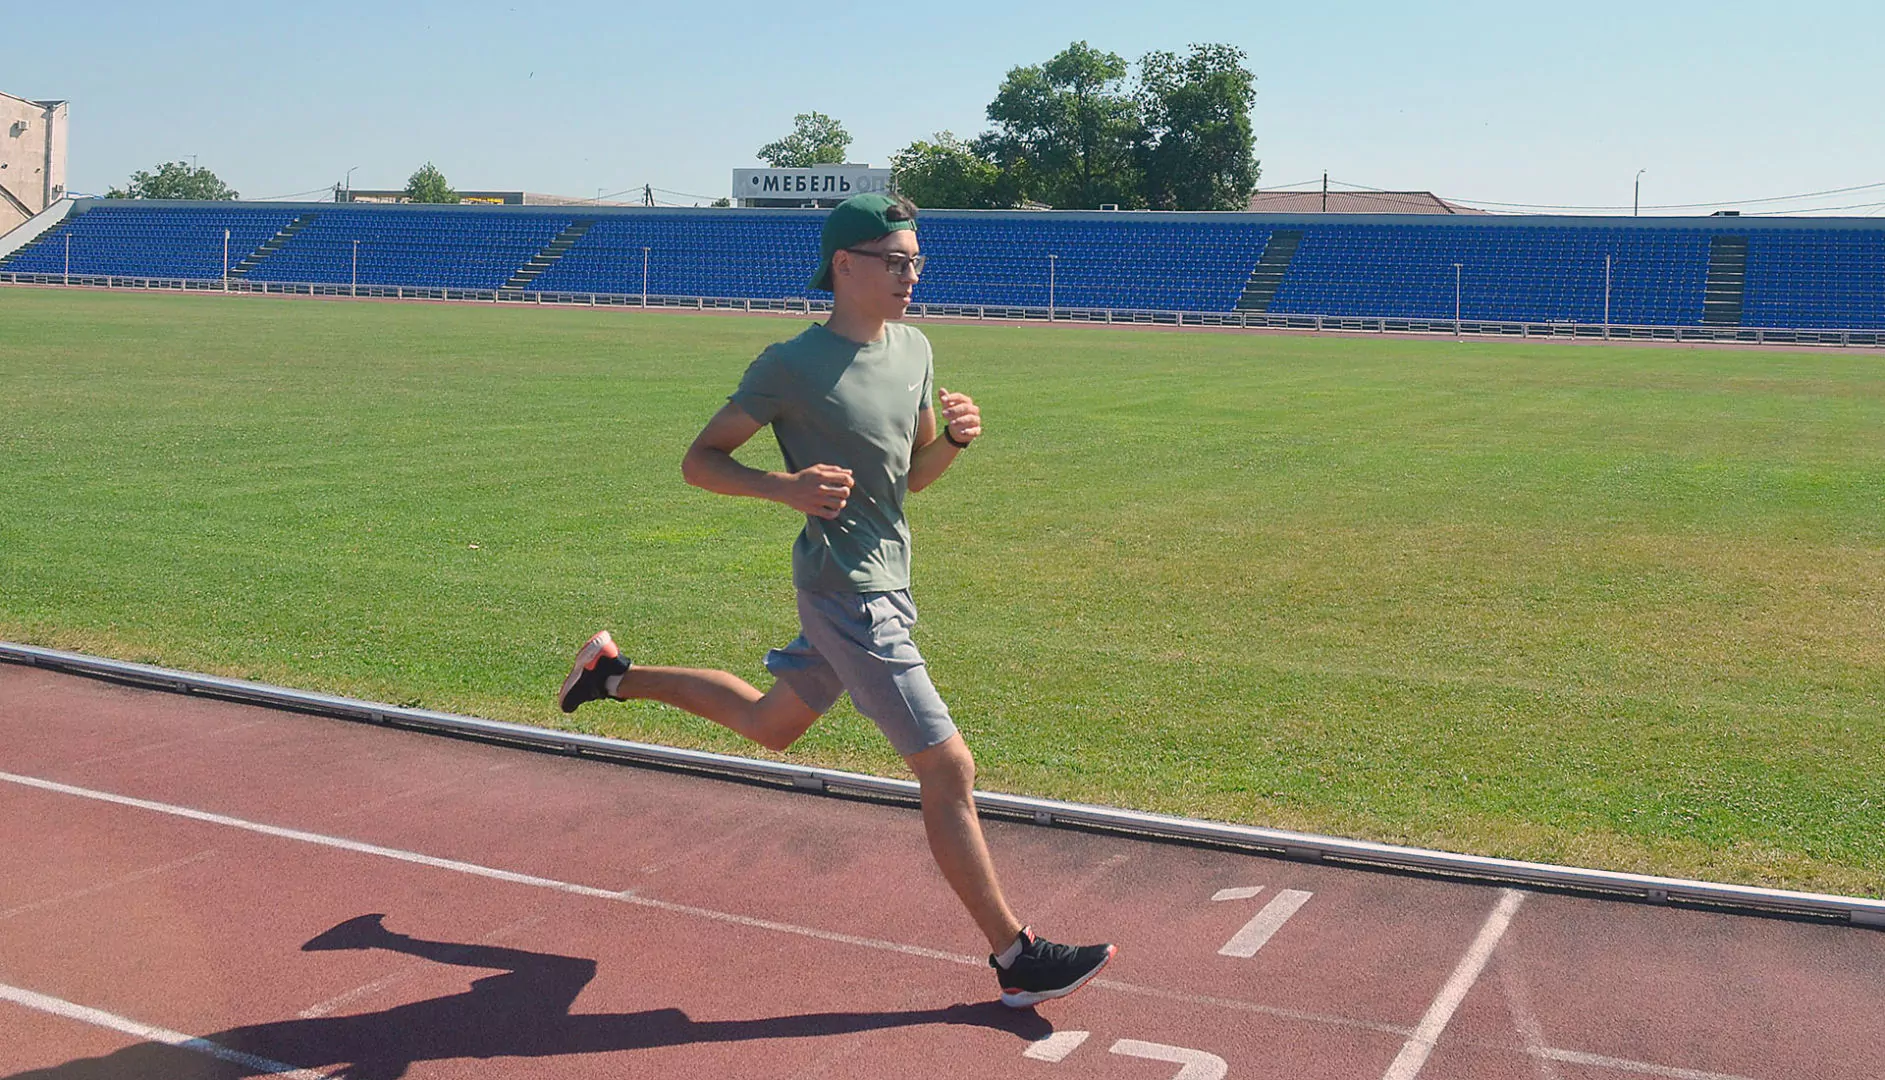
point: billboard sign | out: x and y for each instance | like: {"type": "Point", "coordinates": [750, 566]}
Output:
{"type": "Point", "coordinates": [818, 182]}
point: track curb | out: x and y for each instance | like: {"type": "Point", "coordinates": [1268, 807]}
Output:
{"type": "Point", "coordinates": [1853, 910]}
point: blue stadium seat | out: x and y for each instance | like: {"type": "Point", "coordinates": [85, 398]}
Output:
{"type": "Point", "coordinates": [1534, 270]}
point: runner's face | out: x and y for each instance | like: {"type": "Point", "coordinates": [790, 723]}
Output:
{"type": "Point", "coordinates": [868, 281]}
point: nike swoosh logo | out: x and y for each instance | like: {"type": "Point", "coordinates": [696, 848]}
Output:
{"type": "Point", "coordinates": [916, 384]}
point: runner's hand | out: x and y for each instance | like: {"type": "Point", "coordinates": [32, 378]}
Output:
{"type": "Point", "coordinates": [820, 490]}
{"type": "Point", "coordinates": [961, 415]}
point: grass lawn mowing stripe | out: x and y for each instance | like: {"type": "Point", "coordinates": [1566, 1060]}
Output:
{"type": "Point", "coordinates": [1608, 606]}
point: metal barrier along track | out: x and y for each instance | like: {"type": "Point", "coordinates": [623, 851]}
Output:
{"type": "Point", "coordinates": [1248, 320]}
{"type": "Point", "coordinates": [1861, 911]}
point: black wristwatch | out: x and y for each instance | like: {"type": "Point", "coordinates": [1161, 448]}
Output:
{"type": "Point", "coordinates": [952, 439]}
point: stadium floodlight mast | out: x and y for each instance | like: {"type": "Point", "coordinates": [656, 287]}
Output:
{"type": "Point", "coordinates": [1636, 202]}
{"type": "Point", "coordinates": [1050, 286]}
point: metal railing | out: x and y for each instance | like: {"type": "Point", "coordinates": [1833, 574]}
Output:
{"type": "Point", "coordinates": [1477, 328]}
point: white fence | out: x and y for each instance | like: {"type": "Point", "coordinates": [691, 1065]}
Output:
{"type": "Point", "coordinates": [1478, 328]}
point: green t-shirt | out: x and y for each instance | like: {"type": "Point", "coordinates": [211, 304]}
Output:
{"type": "Point", "coordinates": [831, 401]}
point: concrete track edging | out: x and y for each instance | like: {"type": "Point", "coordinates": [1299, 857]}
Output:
{"type": "Point", "coordinates": [1855, 910]}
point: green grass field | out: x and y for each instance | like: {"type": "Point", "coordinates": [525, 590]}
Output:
{"type": "Point", "coordinates": [1612, 606]}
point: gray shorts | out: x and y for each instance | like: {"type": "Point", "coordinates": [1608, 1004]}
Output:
{"type": "Point", "coordinates": [861, 642]}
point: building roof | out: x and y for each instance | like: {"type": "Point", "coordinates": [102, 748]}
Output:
{"type": "Point", "coordinates": [1355, 202]}
{"type": "Point", "coordinates": [30, 101]}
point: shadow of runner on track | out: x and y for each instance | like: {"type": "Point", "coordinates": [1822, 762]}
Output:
{"type": "Point", "coordinates": [522, 1013]}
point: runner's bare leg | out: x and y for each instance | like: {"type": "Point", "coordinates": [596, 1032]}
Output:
{"type": "Point", "coordinates": [946, 774]}
{"type": "Point", "coordinates": [774, 719]}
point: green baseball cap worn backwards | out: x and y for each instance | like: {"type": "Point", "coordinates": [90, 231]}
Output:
{"type": "Point", "coordinates": [857, 220]}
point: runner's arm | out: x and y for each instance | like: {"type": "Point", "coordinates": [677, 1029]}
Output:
{"type": "Point", "coordinates": [820, 490]}
{"type": "Point", "coordinates": [934, 454]}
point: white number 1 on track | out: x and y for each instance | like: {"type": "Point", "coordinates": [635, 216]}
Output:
{"type": "Point", "coordinates": [1264, 923]}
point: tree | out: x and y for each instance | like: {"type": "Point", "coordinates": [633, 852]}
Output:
{"type": "Point", "coordinates": [174, 180]}
{"type": "Point", "coordinates": [1070, 128]}
{"type": "Point", "coordinates": [947, 172]}
{"type": "Point", "coordinates": [428, 185]}
{"type": "Point", "coordinates": [816, 139]}
{"type": "Point", "coordinates": [1198, 152]}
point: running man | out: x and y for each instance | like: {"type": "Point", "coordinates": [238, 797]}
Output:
{"type": "Point", "coordinates": [849, 403]}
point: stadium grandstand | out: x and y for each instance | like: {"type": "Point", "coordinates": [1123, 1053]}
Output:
{"type": "Point", "coordinates": [1717, 273]}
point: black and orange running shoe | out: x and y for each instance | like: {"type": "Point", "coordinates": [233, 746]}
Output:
{"type": "Point", "coordinates": [597, 662]}
{"type": "Point", "coordinates": [1045, 970]}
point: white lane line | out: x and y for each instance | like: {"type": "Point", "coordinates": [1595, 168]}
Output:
{"type": "Point", "coordinates": [1524, 1020]}
{"type": "Point", "coordinates": [1413, 1056]}
{"type": "Point", "coordinates": [1243, 892]}
{"type": "Point", "coordinates": [100, 1018]}
{"type": "Point", "coordinates": [1257, 932]}
{"type": "Point", "coordinates": [1056, 1047]}
{"type": "Point", "coordinates": [476, 870]}
{"type": "Point", "coordinates": [310, 838]}
{"type": "Point", "coordinates": [1666, 1072]}
{"type": "Point", "coordinates": [1198, 1064]}
{"type": "Point", "coordinates": [106, 886]}
{"type": "Point", "coordinates": [1252, 1007]}
{"type": "Point", "coordinates": [161, 744]}
{"type": "Point", "coordinates": [1511, 898]}
{"type": "Point", "coordinates": [1045, 906]}
{"type": "Point", "coordinates": [679, 909]}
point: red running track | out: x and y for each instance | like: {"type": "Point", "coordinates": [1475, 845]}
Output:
{"type": "Point", "coordinates": [185, 885]}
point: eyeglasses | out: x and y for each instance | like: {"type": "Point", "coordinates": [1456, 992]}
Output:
{"type": "Point", "coordinates": [895, 261]}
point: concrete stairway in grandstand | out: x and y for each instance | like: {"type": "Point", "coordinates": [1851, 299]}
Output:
{"type": "Point", "coordinates": [552, 251]}
{"type": "Point", "coordinates": [1727, 281]}
{"type": "Point", "coordinates": [1269, 271]}
{"type": "Point", "coordinates": [272, 244]}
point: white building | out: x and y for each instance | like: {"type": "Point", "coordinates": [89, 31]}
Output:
{"type": "Point", "coordinates": [32, 158]}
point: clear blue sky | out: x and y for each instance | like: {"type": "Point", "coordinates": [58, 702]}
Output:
{"type": "Point", "coordinates": [1515, 103]}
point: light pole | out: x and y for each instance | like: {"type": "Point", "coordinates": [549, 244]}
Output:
{"type": "Point", "coordinates": [354, 289]}
{"type": "Point", "coordinates": [1606, 298]}
{"type": "Point", "coordinates": [1456, 299]}
{"type": "Point", "coordinates": [644, 277]}
{"type": "Point", "coordinates": [1636, 202]}
{"type": "Point", "coordinates": [68, 259]}
{"type": "Point", "coordinates": [1051, 259]}
{"type": "Point", "coordinates": [348, 183]}
{"type": "Point", "coordinates": [225, 260]}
